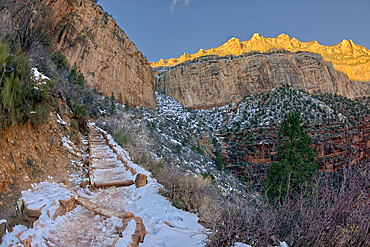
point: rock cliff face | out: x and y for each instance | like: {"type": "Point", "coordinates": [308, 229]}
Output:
{"type": "Point", "coordinates": [335, 146]}
{"type": "Point", "coordinates": [216, 81]}
{"type": "Point", "coordinates": [90, 38]}
{"type": "Point", "coordinates": [351, 59]}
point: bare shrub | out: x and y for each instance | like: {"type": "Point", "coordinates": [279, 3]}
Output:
{"type": "Point", "coordinates": [188, 192]}
{"type": "Point", "coordinates": [6, 24]}
{"type": "Point", "coordinates": [32, 26]}
{"type": "Point", "coordinates": [332, 211]}
{"type": "Point", "coordinates": [132, 136]}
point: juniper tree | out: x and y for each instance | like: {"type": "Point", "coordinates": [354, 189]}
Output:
{"type": "Point", "coordinates": [296, 159]}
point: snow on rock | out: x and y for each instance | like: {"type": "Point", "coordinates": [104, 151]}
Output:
{"type": "Point", "coordinates": [67, 143]}
{"type": "Point", "coordinates": [241, 245]}
{"type": "Point", "coordinates": [37, 76]}
{"type": "Point", "coordinates": [10, 238]}
{"type": "Point", "coordinates": [126, 235]}
{"type": "Point", "coordinates": [282, 244]}
{"type": "Point", "coordinates": [70, 146]}
{"type": "Point", "coordinates": [60, 120]}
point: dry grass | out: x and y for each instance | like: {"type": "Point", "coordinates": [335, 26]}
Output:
{"type": "Point", "coordinates": [188, 192]}
{"type": "Point", "coordinates": [333, 211]}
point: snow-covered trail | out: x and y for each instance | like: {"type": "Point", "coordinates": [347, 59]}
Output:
{"type": "Point", "coordinates": [80, 217]}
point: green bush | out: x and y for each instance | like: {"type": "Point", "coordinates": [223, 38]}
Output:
{"type": "Point", "coordinates": [59, 60]}
{"type": "Point", "coordinates": [74, 124]}
{"type": "Point", "coordinates": [21, 99]}
{"type": "Point", "coordinates": [75, 76]}
{"type": "Point", "coordinates": [120, 138]}
{"type": "Point", "coordinates": [219, 162]}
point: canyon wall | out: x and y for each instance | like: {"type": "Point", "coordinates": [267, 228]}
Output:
{"type": "Point", "coordinates": [347, 57]}
{"type": "Point", "coordinates": [91, 39]}
{"type": "Point", "coordinates": [214, 81]}
{"type": "Point", "coordinates": [335, 145]}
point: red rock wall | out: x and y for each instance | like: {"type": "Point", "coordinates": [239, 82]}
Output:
{"type": "Point", "coordinates": [93, 41]}
{"type": "Point", "coordinates": [335, 146]}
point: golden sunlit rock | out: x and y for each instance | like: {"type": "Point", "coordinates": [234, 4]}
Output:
{"type": "Point", "coordinates": [347, 57]}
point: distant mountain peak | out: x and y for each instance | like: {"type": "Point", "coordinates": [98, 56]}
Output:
{"type": "Point", "coordinates": [346, 56]}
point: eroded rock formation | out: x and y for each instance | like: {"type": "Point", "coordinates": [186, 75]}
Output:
{"type": "Point", "coordinates": [92, 40]}
{"type": "Point", "coordinates": [335, 146]}
{"type": "Point", "coordinates": [347, 57]}
{"type": "Point", "coordinates": [216, 81]}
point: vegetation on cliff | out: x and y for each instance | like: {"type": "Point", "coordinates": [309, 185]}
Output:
{"type": "Point", "coordinates": [296, 159]}
{"type": "Point", "coordinates": [22, 98]}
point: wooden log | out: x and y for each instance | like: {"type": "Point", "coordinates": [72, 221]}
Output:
{"type": "Point", "coordinates": [140, 232]}
{"type": "Point", "coordinates": [103, 211]}
{"type": "Point", "coordinates": [91, 175]}
{"type": "Point", "coordinates": [119, 157]}
{"type": "Point", "coordinates": [50, 242]}
{"type": "Point", "coordinates": [107, 166]}
{"type": "Point", "coordinates": [113, 183]}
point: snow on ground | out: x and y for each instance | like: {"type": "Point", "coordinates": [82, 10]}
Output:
{"type": "Point", "coordinates": [67, 143]}
{"type": "Point", "coordinates": [165, 225]}
{"type": "Point", "coordinates": [60, 120]}
{"type": "Point", "coordinates": [282, 244]}
{"type": "Point", "coordinates": [39, 76]}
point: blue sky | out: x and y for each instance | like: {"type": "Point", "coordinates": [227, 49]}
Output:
{"type": "Point", "coordinates": [168, 28]}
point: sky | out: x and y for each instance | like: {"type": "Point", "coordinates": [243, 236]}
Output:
{"type": "Point", "coordinates": [168, 28]}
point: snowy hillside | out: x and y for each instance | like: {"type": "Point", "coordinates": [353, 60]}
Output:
{"type": "Point", "coordinates": [165, 225]}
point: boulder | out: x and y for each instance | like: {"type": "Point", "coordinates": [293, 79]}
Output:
{"type": "Point", "coordinates": [140, 180]}
{"type": "Point", "coordinates": [33, 213]}
{"type": "Point", "coordinates": [64, 207]}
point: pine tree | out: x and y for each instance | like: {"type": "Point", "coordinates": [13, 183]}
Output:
{"type": "Point", "coordinates": [120, 98]}
{"type": "Point", "coordinates": [296, 159]}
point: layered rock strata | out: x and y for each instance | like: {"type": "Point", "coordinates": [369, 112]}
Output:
{"type": "Point", "coordinates": [215, 81]}
{"type": "Point", "coordinates": [335, 146]}
{"type": "Point", "coordinates": [347, 57]}
{"type": "Point", "coordinates": [91, 39]}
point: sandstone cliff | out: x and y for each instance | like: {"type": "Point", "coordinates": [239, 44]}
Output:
{"type": "Point", "coordinates": [351, 59]}
{"type": "Point", "coordinates": [216, 82]}
{"type": "Point", "coordinates": [334, 145]}
{"type": "Point", "coordinates": [90, 38]}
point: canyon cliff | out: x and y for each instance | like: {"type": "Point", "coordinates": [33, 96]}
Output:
{"type": "Point", "coordinates": [347, 57]}
{"type": "Point", "coordinates": [91, 39]}
{"type": "Point", "coordinates": [214, 81]}
{"type": "Point", "coordinates": [335, 146]}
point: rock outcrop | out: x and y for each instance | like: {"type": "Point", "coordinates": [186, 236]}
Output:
{"type": "Point", "coordinates": [347, 57]}
{"type": "Point", "coordinates": [215, 81]}
{"type": "Point", "coordinates": [335, 146]}
{"type": "Point", "coordinates": [91, 39]}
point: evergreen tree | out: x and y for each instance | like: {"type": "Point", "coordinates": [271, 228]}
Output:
{"type": "Point", "coordinates": [112, 107]}
{"type": "Point", "coordinates": [120, 98]}
{"type": "Point", "coordinates": [218, 161]}
{"type": "Point", "coordinates": [296, 159]}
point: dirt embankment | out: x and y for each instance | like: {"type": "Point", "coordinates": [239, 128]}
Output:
{"type": "Point", "coordinates": [30, 154]}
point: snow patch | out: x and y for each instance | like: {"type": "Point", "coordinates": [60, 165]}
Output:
{"type": "Point", "coordinates": [39, 76]}
{"type": "Point", "coordinates": [60, 120]}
